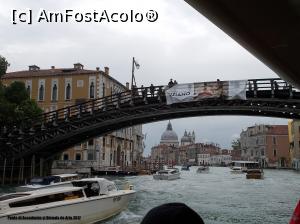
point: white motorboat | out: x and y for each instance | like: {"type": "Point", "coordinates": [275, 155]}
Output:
{"type": "Point", "coordinates": [236, 169]}
{"type": "Point", "coordinates": [60, 180]}
{"type": "Point", "coordinates": [87, 201]}
{"type": "Point", "coordinates": [202, 169]}
{"type": "Point", "coordinates": [167, 174]}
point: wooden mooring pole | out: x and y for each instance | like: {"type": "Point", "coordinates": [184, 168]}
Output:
{"type": "Point", "coordinates": [3, 176]}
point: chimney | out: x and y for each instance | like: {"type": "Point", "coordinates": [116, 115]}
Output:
{"type": "Point", "coordinates": [97, 69]}
{"type": "Point", "coordinates": [52, 67]}
{"type": "Point", "coordinates": [106, 70]}
{"type": "Point", "coordinates": [78, 66]}
{"type": "Point", "coordinates": [34, 68]}
{"type": "Point", "coordinates": [127, 85]}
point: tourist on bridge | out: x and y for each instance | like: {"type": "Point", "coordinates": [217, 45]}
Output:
{"type": "Point", "coordinates": [152, 89]}
{"type": "Point", "coordinates": [171, 83]}
{"type": "Point", "coordinates": [175, 82]}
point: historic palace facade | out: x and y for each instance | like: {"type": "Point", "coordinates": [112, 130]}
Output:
{"type": "Point", "coordinates": [56, 88]}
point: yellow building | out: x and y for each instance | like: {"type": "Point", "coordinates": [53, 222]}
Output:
{"type": "Point", "coordinates": [56, 88]}
{"type": "Point", "coordinates": [294, 139]}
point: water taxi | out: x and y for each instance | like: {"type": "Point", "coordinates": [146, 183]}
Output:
{"type": "Point", "coordinates": [59, 180]}
{"type": "Point", "coordinates": [243, 166]}
{"type": "Point", "coordinates": [255, 174]}
{"type": "Point", "coordinates": [167, 174]}
{"type": "Point", "coordinates": [87, 201]}
{"type": "Point", "coordinates": [202, 169]}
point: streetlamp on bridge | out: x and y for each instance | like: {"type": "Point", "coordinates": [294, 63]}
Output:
{"type": "Point", "coordinates": [136, 65]}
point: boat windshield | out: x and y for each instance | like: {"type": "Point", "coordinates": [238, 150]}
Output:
{"type": "Point", "coordinates": [11, 196]}
{"type": "Point", "coordinates": [44, 180]}
{"type": "Point", "coordinates": [91, 188]}
{"type": "Point", "coordinates": [163, 172]}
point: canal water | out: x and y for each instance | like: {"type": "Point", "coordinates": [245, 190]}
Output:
{"type": "Point", "coordinates": [218, 196]}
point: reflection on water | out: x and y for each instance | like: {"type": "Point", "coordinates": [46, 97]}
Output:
{"type": "Point", "coordinates": [218, 196]}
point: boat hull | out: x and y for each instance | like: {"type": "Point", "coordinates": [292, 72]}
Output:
{"type": "Point", "coordinates": [77, 211]}
{"type": "Point", "coordinates": [166, 177]}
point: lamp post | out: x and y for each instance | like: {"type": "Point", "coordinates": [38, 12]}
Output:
{"type": "Point", "coordinates": [136, 65]}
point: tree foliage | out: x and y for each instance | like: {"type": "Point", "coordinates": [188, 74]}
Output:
{"type": "Point", "coordinates": [15, 104]}
{"type": "Point", "coordinates": [3, 65]}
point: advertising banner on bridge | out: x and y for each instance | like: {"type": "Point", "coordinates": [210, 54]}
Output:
{"type": "Point", "coordinates": [227, 90]}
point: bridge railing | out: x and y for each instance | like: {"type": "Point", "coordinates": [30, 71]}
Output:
{"type": "Point", "coordinates": [255, 88]}
{"type": "Point", "coordinates": [52, 118]}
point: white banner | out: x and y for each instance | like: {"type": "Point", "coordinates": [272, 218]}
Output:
{"type": "Point", "coordinates": [227, 90]}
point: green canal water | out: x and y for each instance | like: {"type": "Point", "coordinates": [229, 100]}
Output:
{"type": "Point", "coordinates": [218, 196]}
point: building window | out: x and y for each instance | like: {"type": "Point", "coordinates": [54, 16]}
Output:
{"type": "Point", "coordinates": [54, 93]}
{"type": "Point", "coordinates": [274, 140]}
{"type": "Point", "coordinates": [68, 92]}
{"type": "Point", "coordinates": [66, 156]}
{"type": "Point", "coordinates": [41, 93]}
{"type": "Point", "coordinates": [274, 152]}
{"type": "Point", "coordinates": [103, 156]}
{"type": "Point", "coordinates": [103, 141]}
{"type": "Point", "coordinates": [78, 156]}
{"type": "Point", "coordinates": [111, 142]}
{"type": "Point", "coordinates": [92, 91]}
{"type": "Point", "coordinates": [90, 156]}
{"type": "Point", "coordinates": [91, 142]}
{"type": "Point", "coordinates": [28, 90]}
{"type": "Point", "coordinates": [262, 152]}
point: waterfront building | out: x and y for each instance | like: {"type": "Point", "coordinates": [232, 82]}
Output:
{"type": "Point", "coordinates": [188, 138]}
{"type": "Point", "coordinates": [169, 137]}
{"type": "Point", "coordinates": [57, 88]}
{"type": "Point", "coordinates": [203, 159]}
{"type": "Point", "coordinates": [266, 144]}
{"type": "Point", "coordinates": [170, 152]}
{"type": "Point", "coordinates": [220, 160]}
{"type": "Point", "coordinates": [294, 141]}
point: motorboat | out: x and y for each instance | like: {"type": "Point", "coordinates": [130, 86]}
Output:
{"type": "Point", "coordinates": [202, 169]}
{"type": "Point", "coordinates": [86, 201]}
{"type": "Point", "coordinates": [167, 174]}
{"type": "Point", "coordinates": [255, 174]}
{"type": "Point", "coordinates": [237, 169]}
{"type": "Point", "coordinates": [59, 180]}
{"type": "Point", "coordinates": [185, 167]}
{"type": "Point", "coordinates": [244, 165]}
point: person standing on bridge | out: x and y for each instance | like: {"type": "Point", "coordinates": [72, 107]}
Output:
{"type": "Point", "coordinates": [152, 89]}
{"type": "Point", "coordinates": [171, 84]}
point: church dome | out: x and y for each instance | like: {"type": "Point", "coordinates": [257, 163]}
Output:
{"type": "Point", "coordinates": [185, 137]}
{"type": "Point", "coordinates": [169, 134]}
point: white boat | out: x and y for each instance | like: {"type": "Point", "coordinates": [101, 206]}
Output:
{"type": "Point", "coordinates": [236, 169]}
{"type": "Point", "coordinates": [167, 174]}
{"type": "Point", "coordinates": [87, 201]}
{"type": "Point", "coordinates": [202, 169]}
{"type": "Point", "coordinates": [243, 166]}
{"type": "Point", "coordinates": [60, 180]}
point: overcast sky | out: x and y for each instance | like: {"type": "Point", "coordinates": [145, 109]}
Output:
{"type": "Point", "coordinates": [181, 44]}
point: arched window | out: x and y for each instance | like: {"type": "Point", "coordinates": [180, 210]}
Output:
{"type": "Point", "coordinates": [68, 92]}
{"type": "Point", "coordinates": [92, 91]}
{"type": "Point", "coordinates": [54, 93]}
{"type": "Point", "coordinates": [41, 92]}
{"type": "Point", "coordinates": [28, 90]}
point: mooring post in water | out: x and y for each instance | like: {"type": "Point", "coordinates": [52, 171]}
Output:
{"type": "Point", "coordinates": [3, 177]}
{"type": "Point", "coordinates": [22, 169]}
{"type": "Point", "coordinates": [12, 170]}
{"type": "Point", "coordinates": [32, 170]}
{"type": "Point", "coordinates": [41, 166]}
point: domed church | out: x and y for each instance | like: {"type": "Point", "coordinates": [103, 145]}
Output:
{"type": "Point", "coordinates": [169, 137]}
{"type": "Point", "coordinates": [188, 138]}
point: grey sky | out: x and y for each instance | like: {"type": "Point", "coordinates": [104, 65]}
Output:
{"type": "Point", "coordinates": [182, 45]}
